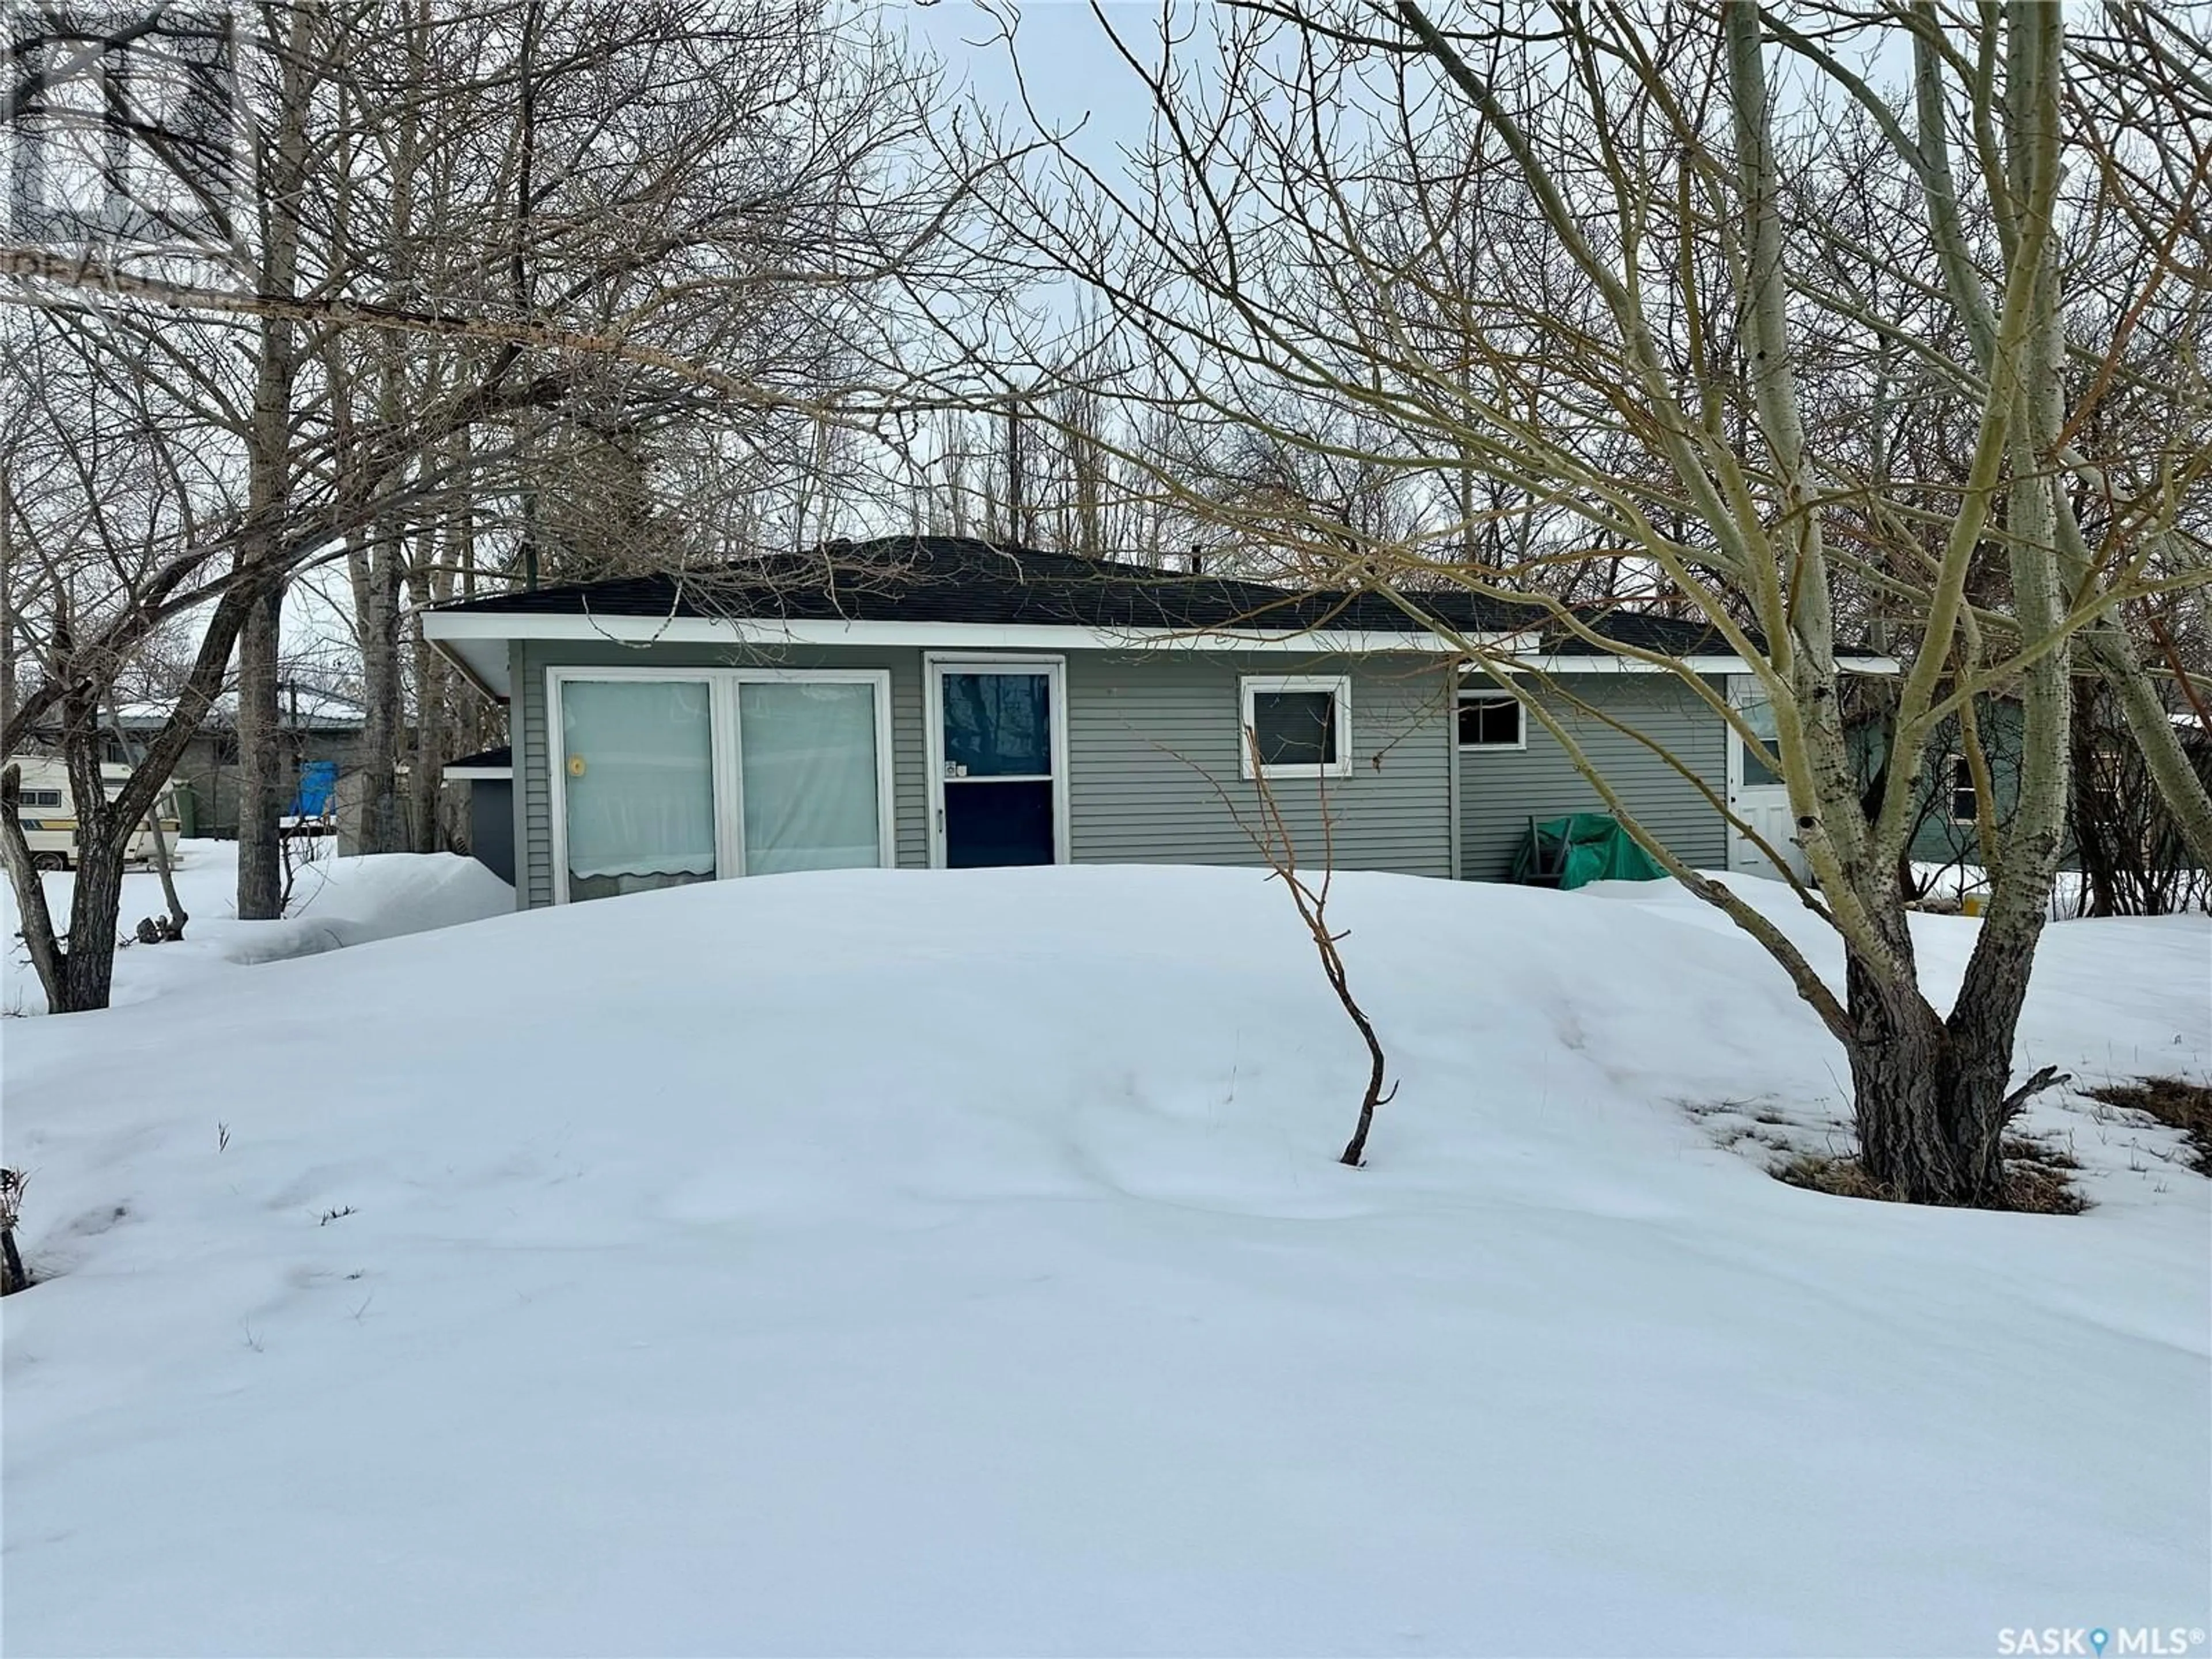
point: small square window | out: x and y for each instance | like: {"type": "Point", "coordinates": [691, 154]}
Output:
{"type": "Point", "coordinates": [1490, 722]}
{"type": "Point", "coordinates": [1964, 806]}
{"type": "Point", "coordinates": [1297, 727]}
{"type": "Point", "coordinates": [1294, 728]}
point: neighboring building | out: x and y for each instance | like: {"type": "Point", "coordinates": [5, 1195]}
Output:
{"type": "Point", "coordinates": [312, 724]}
{"type": "Point", "coordinates": [1946, 810]}
{"type": "Point", "coordinates": [932, 702]}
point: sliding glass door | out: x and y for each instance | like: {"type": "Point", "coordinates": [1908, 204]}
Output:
{"type": "Point", "coordinates": [639, 777]}
{"type": "Point", "coordinates": [807, 755]}
{"type": "Point", "coordinates": [663, 780]}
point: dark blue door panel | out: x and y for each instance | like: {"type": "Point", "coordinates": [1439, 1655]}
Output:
{"type": "Point", "coordinates": [988, 824]}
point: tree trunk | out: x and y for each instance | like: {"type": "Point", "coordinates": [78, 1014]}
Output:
{"type": "Point", "coordinates": [1978, 1074]}
{"type": "Point", "coordinates": [166, 867]}
{"type": "Point", "coordinates": [1931, 1093]}
{"type": "Point", "coordinates": [260, 764]}
{"type": "Point", "coordinates": [6, 601]}
{"type": "Point", "coordinates": [269, 481]}
{"type": "Point", "coordinates": [426, 774]}
{"type": "Point", "coordinates": [163, 867]}
{"type": "Point", "coordinates": [38, 923]}
{"type": "Point", "coordinates": [1897, 1062]}
{"type": "Point", "coordinates": [2097, 818]}
{"type": "Point", "coordinates": [78, 976]}
{"type": "Point", "coordinates": [1928, 1095]}
{"type": "Point", "coordinates": [383, 828]}
{"type": "Point", "coordinates": [95, 913]}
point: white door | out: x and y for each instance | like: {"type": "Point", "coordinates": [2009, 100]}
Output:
{"type": "Point", "coordinates": [1756, 794]}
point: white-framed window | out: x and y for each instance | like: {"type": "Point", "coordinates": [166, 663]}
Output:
{"type": "Point", "coordinates": [1295, 726]}
{"type": "Point", "coordinates": [1966, 804]}
{"type": "Point", "coordinates": [663, 777]}
{"type": "Point", "coordinates": [42, 798]}
{"type": "Point", "coordinates": [1491, 720]}
{"type": "Point", "coordinates": [1758, 712]}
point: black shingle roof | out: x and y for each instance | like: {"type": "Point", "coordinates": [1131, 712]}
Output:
{"type": "Point", "coordinates": [942, 579]}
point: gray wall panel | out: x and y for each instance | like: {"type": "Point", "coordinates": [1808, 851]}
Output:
{"type": "Point", "coordinates": [1500, 789]}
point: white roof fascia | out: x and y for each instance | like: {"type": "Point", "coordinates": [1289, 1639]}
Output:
{"type": "Point", "coordinates": [1595, 664]}
{"type": "Point", "coordinates": [468, 637]}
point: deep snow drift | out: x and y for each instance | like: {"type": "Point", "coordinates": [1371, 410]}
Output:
{"type": "Point", "coordinates": [894, 1263]}
{"type": "Point", "coordinates": [335, 902]}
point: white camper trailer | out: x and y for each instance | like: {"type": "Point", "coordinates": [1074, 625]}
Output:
{"type": "Point", "coordinates": [48, 814]}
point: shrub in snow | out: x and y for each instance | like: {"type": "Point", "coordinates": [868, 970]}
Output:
{"type": "Point", "coordinates": [12, 1276]}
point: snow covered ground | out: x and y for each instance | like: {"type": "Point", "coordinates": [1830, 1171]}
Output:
{"type": "Point", "coordinates": [874, 1262]}
{"type": "Point", "coordinates": [335, 902]}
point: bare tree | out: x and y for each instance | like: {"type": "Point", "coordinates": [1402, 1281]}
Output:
{"type": "Point", "coordinates": [103, 497]}
{"type": "Point", "coordinates": [1269, 831]}
{"type": "Point", "coordinates": [1595, 293]}
{"type": "Point", "coordinates": [442, 255]}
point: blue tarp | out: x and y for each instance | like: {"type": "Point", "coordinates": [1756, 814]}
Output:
{"type": "Point", "coordinates": [318, 783]}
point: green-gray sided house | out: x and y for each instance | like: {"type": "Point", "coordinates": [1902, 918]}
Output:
{"type": "Point", "coordinates": [927, 703]}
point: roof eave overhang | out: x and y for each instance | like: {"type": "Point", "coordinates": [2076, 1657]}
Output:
{"type": "Point", "coordinates": [481, 662]}
{"type": "Point", "coordinates": [1656, 663]}
{"type": "Point", "coordinates": [475, 641]}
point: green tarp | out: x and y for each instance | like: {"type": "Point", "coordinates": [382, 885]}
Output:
{"type": "Point", "coordinates": [1595, 849]}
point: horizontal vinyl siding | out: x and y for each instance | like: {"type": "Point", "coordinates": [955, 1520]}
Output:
{"type": "Point", "coordinates": [533, 821]}
{"type": "Point", "coordinates": [909, 760]}
{"type": "Point", "coordinates": [1500, 790]}
{"type": "Point", "coordinates": [1940, 840]}
{"type": "Point", "coordinates": [1151, 735]}
{"type": "Point", "coordinates": [530, 660]}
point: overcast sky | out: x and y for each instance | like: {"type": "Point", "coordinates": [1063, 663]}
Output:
{"type": "Point", "coordinates": [1072, 74]}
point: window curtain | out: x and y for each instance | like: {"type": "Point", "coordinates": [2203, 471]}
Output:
{"type": "Point", "coordinates": [640, 764]}
{"type": "Point", "coordinates": [807, 751]}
